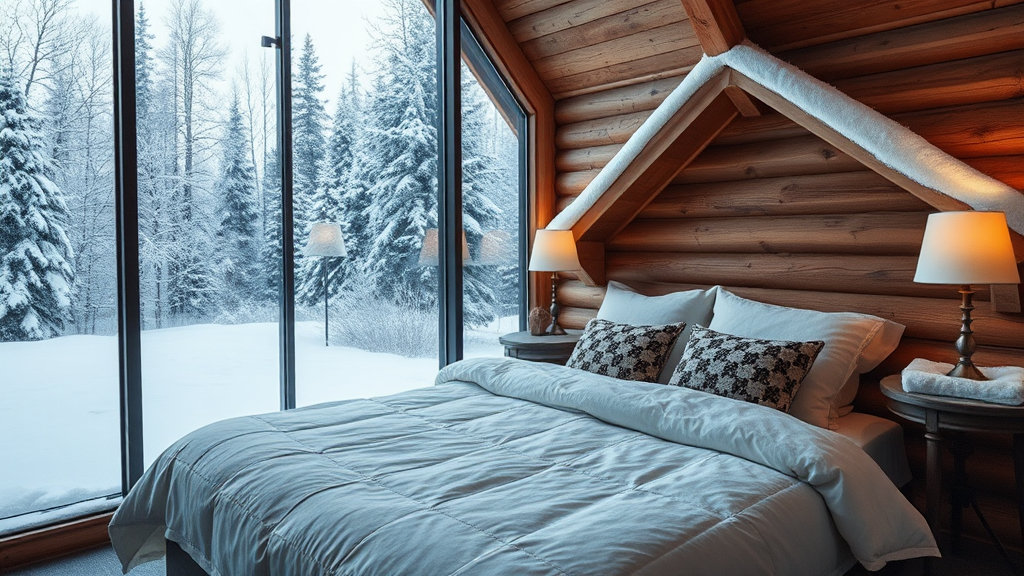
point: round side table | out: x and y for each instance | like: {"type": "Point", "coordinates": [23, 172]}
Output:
{"type": "Point", "coordinates": [553, 349]}
{"type": "Point", "coordinates": [941, 414]}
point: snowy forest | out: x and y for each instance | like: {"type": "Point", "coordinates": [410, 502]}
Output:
{"type": "Point", "coordinates": [209, 181]}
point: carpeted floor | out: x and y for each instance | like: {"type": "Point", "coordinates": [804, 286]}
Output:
{"type": "Point", "coordinates": [102, 562]}
{"type": "Point", "coordinates": [98, 562]}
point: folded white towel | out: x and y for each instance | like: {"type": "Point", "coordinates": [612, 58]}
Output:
{"type": "Point", "coordinates": [1005, 386]}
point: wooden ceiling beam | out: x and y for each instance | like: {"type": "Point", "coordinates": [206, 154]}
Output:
{"type": "Point", "coordinates": [716, 23]}
{"type": "Point", "coordinates": [718, 29]}
{"type": "Point", "coordinates": [662, 158]}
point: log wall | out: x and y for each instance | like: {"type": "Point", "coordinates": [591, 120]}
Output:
{"type": "Point", "coordinates": [777, 214]}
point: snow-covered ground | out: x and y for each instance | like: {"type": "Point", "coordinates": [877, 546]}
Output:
{"type": "Point", "coordinates": [59, 401]}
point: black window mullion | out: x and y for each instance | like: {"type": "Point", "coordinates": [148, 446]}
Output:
{"type": "Point", "coordinates": [126, 206]}
{"type": "Point", "coordinates": [525, 217]}
{"type": "Point", "coordinates": [284, 151]}
{"type": "Point", "coordinates": [449, 178]}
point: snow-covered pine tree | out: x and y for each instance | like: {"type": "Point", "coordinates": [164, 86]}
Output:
{"type": "Point", "coordinates": [309, 147]}
{"type": "Point", "coordinates": [479, 212]}
{"type": "Point", "coordinates": [399, 159]}
{"type": "Point", "coordinates": [399, 168]}
{"type": "Point", "coordinates": [143, 63]}
{"type": "Point", "coordinates": [35, 270]}
{"type": "Point", "coordinates": [238, 226]}
{"type": "Point", "coordinates": [355, 194]}
{"type": "Point", "coordinates": [328, 204]}
{"type": "Point", "coordinates": [270, 251]}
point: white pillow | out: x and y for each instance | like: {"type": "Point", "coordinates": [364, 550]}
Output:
{"type": "Point", "coordinates": [623, 305]}
{"type": "Point", "coordinates": [854, 343]}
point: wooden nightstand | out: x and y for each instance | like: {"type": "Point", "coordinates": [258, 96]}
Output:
{"type": "Point", "coordinates": [554, 349]}
{"type": "Point", "coordinates": [942, 414]}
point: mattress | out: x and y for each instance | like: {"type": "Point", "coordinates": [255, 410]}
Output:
{"type": "Point", "coordinates": [881, 439]}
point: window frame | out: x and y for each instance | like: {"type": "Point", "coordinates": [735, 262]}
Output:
{"type": "Point", "coordinates": [129, 321]}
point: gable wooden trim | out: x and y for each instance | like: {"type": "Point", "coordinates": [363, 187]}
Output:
{"type": "Point", "coordinates": [664, 156]}
{"type": "Point", "coordinates": [826, 133]}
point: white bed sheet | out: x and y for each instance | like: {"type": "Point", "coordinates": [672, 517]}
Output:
{"type": "Point", "coordinates": [881, 439]}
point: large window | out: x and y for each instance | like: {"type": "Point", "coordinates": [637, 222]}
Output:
{"type": "Point", "coordinates": [493, 205]}
{"type": "Point", "coordinates": [59, 422]}
{"type": "Point", "coordinates": [365, 156]}
{"type": "Point", "coordinates": [173, 244]}
{"type": "Point", "coordinates": [209, 214]}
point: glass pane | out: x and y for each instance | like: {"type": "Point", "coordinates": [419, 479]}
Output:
{"type": "Point", "coordinates": [364, 110]}
{"type": "Point", "coordinates": [209, 216]}
{"type": "Point", "coordinates": [60, 453]}
{"type": "Point", "coordinates": [490, 212]}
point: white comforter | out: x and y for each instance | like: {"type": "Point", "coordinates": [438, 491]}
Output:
{"type": "Point", "coordinates": [508, 467]}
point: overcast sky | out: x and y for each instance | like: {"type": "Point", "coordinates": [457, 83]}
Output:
{"type": "Point", "coordinates": [340, 30]}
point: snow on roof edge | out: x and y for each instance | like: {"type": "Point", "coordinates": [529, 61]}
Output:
{"type": "Point", "coordinates": [889, 142]}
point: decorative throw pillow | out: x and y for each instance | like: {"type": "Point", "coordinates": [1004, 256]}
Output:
{"type": "Point", "coordinates": [854, 343]}
{"type": "Point", "coordinates": [765, 372]}
{"type": "Point", "coordinates": [622, 304]}
{"type": "Point", "coordinates": [624, 351]}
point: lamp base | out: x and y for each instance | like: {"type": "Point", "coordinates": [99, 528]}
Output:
{"type": "Point", "coordinates": [554, 330]}
{"type": "Point", "coordinates": [965, 343]}
{"type": "Point", "coordinates": [967, 370]}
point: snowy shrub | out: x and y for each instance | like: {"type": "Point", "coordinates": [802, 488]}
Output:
{"type": "Point", "coordinates": [397, 326]}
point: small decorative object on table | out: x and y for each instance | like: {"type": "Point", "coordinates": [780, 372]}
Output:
{"type": "Point", "coordinates": [554, 251]}
{"type": "Point", "coordinates": [540, 319]}
{"type": "Point", "coordinates": [544, 348]}
{"type": "Point", "coordinates": [966, 248]}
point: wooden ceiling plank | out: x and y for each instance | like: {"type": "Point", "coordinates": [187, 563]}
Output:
{"type": "Point", "coordinates": [878, 233]}
{"type": "Point", "coordinates": [987, 32]}
{"type": "Point", "coordinates": [819, 128]}
{"type": "Point", "coordinates": [840, 193]}
{"type": "Point", "coordinates": [968, 81]}
{"type": "Point", "coordinates": [780, 25]}
{"type": "Point", "coordinates": [609, 130]}
{"type": "Point", "coordinates": [716, 23]}
{"type": "Point", "coordinates": [770, 159]}
{"type": "Point", "coordinates": [614, 102]}
{"type": "Point", "coordinates": [664, 156]}
{"type": "Point", "coordinates": [617, 25]}
{"type": "Point", "coordinates": [513, 9]}
{"type": "Point", "coordinates": [1006, 169]}
{"type": "Point", "coordinates": [993, 128]}
{"type": "Point", "coordinates": [665, 65]}
{"type": "Point", "coordinates": [660, 40]}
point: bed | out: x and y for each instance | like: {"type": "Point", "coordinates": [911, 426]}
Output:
{"type": "Point", "coordinates": [508, 467]}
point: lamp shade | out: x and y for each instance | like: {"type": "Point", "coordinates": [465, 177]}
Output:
{"type": "Point", "coordinates": [554, 251]}
{"type": "Point", "coordinates": [428, 252]}
{"type": "Point", "coordinates": [498, 248]}
{"type": "Point", "coordinates": [967, 248]}
{"type": "Point", "coordinates": [325, 240]}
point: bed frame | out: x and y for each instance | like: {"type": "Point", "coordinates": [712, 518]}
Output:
{"type": "Point", "coordinates": [179, 563]}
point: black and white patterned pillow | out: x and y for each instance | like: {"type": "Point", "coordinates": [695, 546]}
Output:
{"type": "Point", "coordinates": [624, 351]}
{"type": "Point", "coordinates": [765, 372]}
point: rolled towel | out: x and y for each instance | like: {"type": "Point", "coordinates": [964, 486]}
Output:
{"type": "Point", "coordinates": [1005, 384]}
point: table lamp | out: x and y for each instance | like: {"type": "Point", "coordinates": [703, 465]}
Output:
{"type": "Point", "coordinates": [326, 242]}
{"type": "Point", "coordinates": [554, 251]}
{"type": "Point", "coordinates": [965, 248]}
